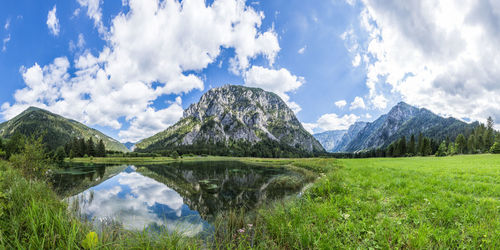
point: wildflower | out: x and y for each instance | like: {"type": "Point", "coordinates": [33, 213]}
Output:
{"type": "Point", "coordinates": [250, 225]}
{"type": "Point", "coordinates": [242, 230]}
{"type": "Point", "coordinates": [346, 216]}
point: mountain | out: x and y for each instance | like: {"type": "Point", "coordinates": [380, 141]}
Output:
{"type": "Point", "coordinates": [402, 120]}
{"type": "Point", "coordinates": [352, 132]}
{"type": "Point", "coordinates": [330, 139]}
{"type": "Point", "coordinates": [58, 129]}
{"type": "Point", "coordinates": [236, 120]}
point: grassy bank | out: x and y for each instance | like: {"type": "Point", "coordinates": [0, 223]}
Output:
{"type": "Point", "coordinates": [451, 202]}
{"type": "Point", "coordinates": [33, 217]}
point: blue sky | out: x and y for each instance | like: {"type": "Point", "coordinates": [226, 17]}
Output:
{"type": "Point", "coordinates": [128, 68]}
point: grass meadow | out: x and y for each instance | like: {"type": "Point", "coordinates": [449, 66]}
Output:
{"type": "Point", "coordinates": [421, 202]}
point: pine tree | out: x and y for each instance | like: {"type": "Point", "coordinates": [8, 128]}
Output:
{"type": "Point", "coordinates": [101, 149]}
{"type": "Point", "coordinates": [471, 144]}
{"type": "Point", "coordinates": [460, 144]}
{"type": "Point", "coordinates": [411, 146]}
{"type": "Point", "coordinates": [420, 148]}
{"type": "Point", "coordinates": [90, 147]}
{"type": "Point", "coordinates": [402, 146]}
{"type": "Point", "coordinates": [390, 151]}
{"type": "Point", "coordinates": [427, 149]}
{"type": "Point", "coordinates": [82, 149]}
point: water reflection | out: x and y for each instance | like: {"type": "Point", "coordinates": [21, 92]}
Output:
{"type": "Point", "coordinates": [183, 196]}
{"type": "Point", "coordinates": [138, 203]}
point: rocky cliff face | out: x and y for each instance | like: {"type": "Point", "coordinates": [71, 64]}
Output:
{"type": "Point", "coordinates": [330, 139]}
{"type": "Point", "coordinates": [351, 133]}
{"type": "Point", "coordinates": [232, 114]}
{"type": "Point", "coordinates": [402, 120]}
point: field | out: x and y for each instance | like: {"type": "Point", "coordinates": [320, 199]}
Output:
{"type": "Point", "coordinates": [422, 202]}
{"type": "Point", "coordinates": [451, 202]}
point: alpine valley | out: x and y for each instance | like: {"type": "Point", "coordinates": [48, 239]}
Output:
{"type": "Point", "coordinates": [402, 120]}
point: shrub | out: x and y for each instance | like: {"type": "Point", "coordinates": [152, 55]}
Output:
{"type": "Point", "coordinates": [32, 161]}
{"type": "Point", "coordinates": [495, 149]}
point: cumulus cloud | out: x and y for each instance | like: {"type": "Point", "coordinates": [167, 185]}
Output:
{"type": "Point", "coordinates": [278, 81]}
{"type": "Point", "coordinates": [94, 12]}
{"type": "Point", "coordinates": [358, 103]}
{"type": "Point", "coordinates": [53, 22]}
{"type": "Point", "coordinates": [332, 121]}
{"type": "Point", "coordinates": [442, 55]}
{"type": "Point", "coordinates": [341, 103]}
{"type": "Point", "coordinates": [154, 49]}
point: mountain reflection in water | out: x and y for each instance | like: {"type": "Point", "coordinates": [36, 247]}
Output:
{"type": "Point", "coordinates": [181, 197]}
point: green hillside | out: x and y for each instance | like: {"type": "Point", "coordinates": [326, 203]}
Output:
{"type": "Point", "coordinates": [58, 130]}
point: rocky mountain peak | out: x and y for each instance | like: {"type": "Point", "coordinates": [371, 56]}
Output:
{"type": "Point", "coordinates": [232, 114]}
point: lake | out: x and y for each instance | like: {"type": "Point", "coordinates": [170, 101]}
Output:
{"type": "Point", "coordinates": [183, 196]}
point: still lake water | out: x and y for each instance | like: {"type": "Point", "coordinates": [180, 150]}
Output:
{"type": "Point", "coordinates": [182, 196]}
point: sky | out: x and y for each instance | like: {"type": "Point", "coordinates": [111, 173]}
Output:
{"type": "Point", "coordinates": [130, 67]}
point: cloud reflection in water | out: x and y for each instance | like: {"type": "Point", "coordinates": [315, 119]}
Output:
{"type": "Point", "coordinates": [139, 202]}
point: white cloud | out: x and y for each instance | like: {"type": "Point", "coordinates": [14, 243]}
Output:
{"type": "Point", "coordinates": [332, 121]}
{"type": "Point", "coordinates": [53, 22]}
{"type": "Point", "coordinates": [5, 41]}
{"type": "Point", "coordinates": [358, 103]}
{"type": "Point", "coordinates": [94, 12]}
{"type": "Point", "coordinates": [356, 61]}
{"type": "Point", "coordinates": [151, 122]}
{"type": "Point", "coordinates": [351, 2]}
{"type": "Point", "coordinates": [341, 103]}
{"type": "Point", "coordinates": [302, 50]}
{"type": "Point", "coordinates": [7, 24]}
{"type": "Point", "coordinates": [151, 43]}
{"type": "Point", "coordinates": [442, 55]}
{"type": "Point", "coordinates": [278, 81]}
{"type": "Point", "coordinates": [80, 44]}
{"type": "Point", "coordinates": [309, 127]}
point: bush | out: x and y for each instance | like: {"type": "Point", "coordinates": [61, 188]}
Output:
{"type": "Point", "coordinates": [495, 149]}
{"type": "Point", "coordinates": [32, 161]}
{"type": "Point", "coordinates": [60, 155]}
{"type": "Point", "coordinates": [175, 155]}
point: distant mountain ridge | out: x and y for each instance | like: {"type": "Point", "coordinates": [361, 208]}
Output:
{"type": "Point", "coordinates": [330, 139]}
{"type": "Point", "coordinates": [402, 120]}
{"type": "Point", "coordinates": [239, 119]}
{"type": "Point", "coordinates": [58, 130]}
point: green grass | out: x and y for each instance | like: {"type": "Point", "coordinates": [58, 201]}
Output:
{"type": "Point", "coordinates": [33, 217]}
{"type": "Point", "coordinates": [450, 202]}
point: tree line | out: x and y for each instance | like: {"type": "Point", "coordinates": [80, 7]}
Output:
{"type": "Point", "coordinates": [265, 148]}
{"type": "Point", "coordinates": [79, 147]}
{"type": "Point", "coordinates": [483, 139]}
